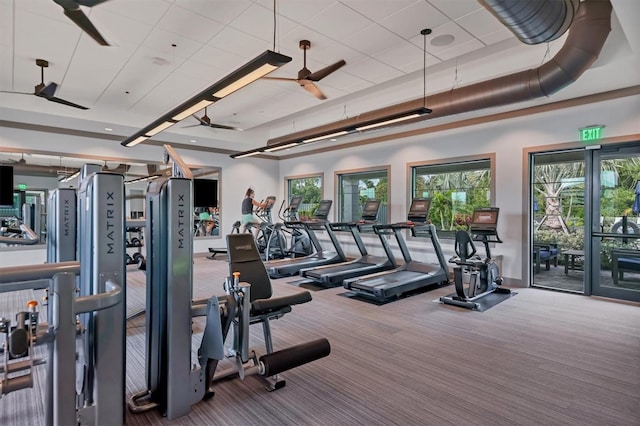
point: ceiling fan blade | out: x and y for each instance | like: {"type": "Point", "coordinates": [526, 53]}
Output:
{"type": "Point", "coordinates": [313, 89]}
{"type": "Point", "coordinates": [81, 20]}
{"type": "Point", "coordinates": [222, 126]}
{"type": "Point", "coordinates": [48, 93]}
{"type": "Point", "coordinates": [192, 125]}
{"type": "Point", "coordinates": [320, 74]}
{"type": "Point", "coordinates": [64, 102]}
{"type": "Point", "coordinates": [280, 78]}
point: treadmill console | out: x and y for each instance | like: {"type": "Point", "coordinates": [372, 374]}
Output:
{"type": "Point", "coordinates": [419, 210]}
{"type": "Point", "coordinates": [484, 224]}
{"type": "Point", "coordinates": [370, 210]}
{"type": "Point", "coordinates": [322, 212]}
{"type": "Point", "coordinates": [294, 203]}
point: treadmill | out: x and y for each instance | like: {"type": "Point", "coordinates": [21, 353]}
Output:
{"type": "Point", "coordinates": [412, 275]}
{"type": "Point", "coordinates": [291, 266]}
{"type": "Point", "coordinates": [333, 275]}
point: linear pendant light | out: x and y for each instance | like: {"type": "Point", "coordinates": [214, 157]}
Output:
{"type": "Point", "coordinates": [248, 73]}
{"type": "Point", "coordinates": [362, 123]}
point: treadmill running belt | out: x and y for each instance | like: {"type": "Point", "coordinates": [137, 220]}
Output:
{"type": "Point", "coordinates": [338, 269]}
{"type": "Point", "coordinates": [396, 277]}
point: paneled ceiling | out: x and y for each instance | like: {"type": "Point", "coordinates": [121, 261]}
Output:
{"type": "Point", "coordinates": [163, 51]}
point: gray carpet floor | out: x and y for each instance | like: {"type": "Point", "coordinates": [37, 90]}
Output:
{"type": "Point", "coordinates": [538, 358]}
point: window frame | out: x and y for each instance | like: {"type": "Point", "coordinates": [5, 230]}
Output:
{"type": "Point", "coordinates": [451, 162]}
{"type": "Point", "coordinates": [288, 179]}
{"type": "Point", "coordinates": [338, 174]}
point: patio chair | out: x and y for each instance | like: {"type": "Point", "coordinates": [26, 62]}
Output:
{"type": "Point", "coordinates": [624, 260]}
{"type": "Point", "coordinates": [545, 253]}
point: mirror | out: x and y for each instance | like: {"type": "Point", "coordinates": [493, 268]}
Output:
{"type": "Point", "coordinates": [34, 175]}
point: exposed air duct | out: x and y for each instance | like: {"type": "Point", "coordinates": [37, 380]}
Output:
{"type": "Point", "coordinates": [587, 35]}
{"type": "Point", "coordinates": [534, 22]}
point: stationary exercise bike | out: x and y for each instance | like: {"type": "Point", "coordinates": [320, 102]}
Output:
{"type": "Point", "coordinates": [484, 276]}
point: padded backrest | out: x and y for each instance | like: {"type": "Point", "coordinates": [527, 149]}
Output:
{"type": "Point", "coordinates": [464, 245]}
{"type": "Point", "coordinates": [244, 257]}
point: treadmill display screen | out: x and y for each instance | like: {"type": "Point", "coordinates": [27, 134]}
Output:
{"type": "Point", "coordinates": [370, 210]}
{"type": "Point", "coordinates": [322, 212]}
{"type": "Point", "coordinates": [419, 210]}
{"type": "Point", "coordinates": [485, 217]}
{"type": "Point", "coordinates": [295, 203]}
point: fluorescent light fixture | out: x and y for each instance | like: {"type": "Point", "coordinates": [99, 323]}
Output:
{"type": "Point", "coordinates": [331, 131]}
{"type": "Point", "coordinates": [246, 74]}
{"type": "Point", "coordinates": [330, 135]}
{"type": "Point", "coordinates": [137, 140]}
{"type": "Point", "coordinates": [160, 127]}
{"type": "Point", "coordinates": [249, 78]}
{"type": "Point", "coordinates": [279, 147]}
{"type": "Point", "coordinates": [247, 153]}
{"type": "Point", "coordinates": [142, 179]}
{"type": "Point", "coordinates": [192, 110]}
{"type": "Point", "coordinates": [71, 176]}
{"type": "Point", "coordinates": [387, 121]}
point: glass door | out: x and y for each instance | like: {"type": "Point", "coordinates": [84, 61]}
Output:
{"type": "Point", "coordinates": [557, 212]}
{"type": "Point", "coordinates": [615, 224]}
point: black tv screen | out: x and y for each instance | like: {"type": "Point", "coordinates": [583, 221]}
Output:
{"type": "Point", "coordinates": [205, 193]}
{"type": "Point", "coordinates": [6, 186]}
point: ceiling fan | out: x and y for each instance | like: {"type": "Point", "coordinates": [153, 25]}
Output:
{"type": "Point", "coordinates": [48, 92]}
{"type": "Point", "coordinates": [73, 12]}
{"type": "Point", "coordinates": [306, 78]}
{"type": "Point", "coordinates": [206, 121]}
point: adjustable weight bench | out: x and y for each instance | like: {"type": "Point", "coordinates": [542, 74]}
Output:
{"type": "Point", "coordinates": [245, 259]}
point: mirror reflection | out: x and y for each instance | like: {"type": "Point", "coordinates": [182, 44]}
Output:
{"type": "Point", "coordinates": [35, 175]}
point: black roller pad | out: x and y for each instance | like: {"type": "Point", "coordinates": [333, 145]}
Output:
{"type": "Point", "coordinates": [295, 356]}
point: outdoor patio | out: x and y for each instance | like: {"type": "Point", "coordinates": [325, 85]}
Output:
{"type": "Point", "coordinates": [556, 278]}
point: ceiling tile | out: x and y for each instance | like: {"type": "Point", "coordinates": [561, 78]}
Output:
{"type": "Point", "coordinates": [374, 71]}
{"type": "Point", "coordinates": [373, 39]}
{"type": "Point", "coordinates": [189, 24]}
{"type": "Point", "coordinates": [297, 10]}
{"type": "Point", "coordinates": [376, 10]}
{"type": "Point", "coordinates": [454, 9]}
{"type": "Point", "coordinates": [404, 56]}
{"type": "Point", "coordinates": [144, 11]}
{"type": "Point", "coordinates": [219, 10]}
{"type": "Point", "coordinates": [258, 21]}
{"type": "Point", "coordinates": [239, 43]}
{"type": "Point", "coordinates": [162, 41]}
{"type": "Point", "coordinates": [461, 49]}
{"type": "Point", "coordinates": [480, 23]}
{"type": "Point", "coordinates": [450, 28]}
{"type": "Point", "coordinates": [496, 36]}
{"type": "Point", "coordinates": [338, 22]}
{"type": "Point", "coordinates": [411, 20]}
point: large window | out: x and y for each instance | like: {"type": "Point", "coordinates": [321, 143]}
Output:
{"type": "Point", "coordinates": [309, 187]}
{"type": "Point", "coordinates": [359, 186]}
{"type": "Point", "coordinates": [455, 188]}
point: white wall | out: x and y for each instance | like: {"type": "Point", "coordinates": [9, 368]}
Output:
{"type": "Point", "coordinates": [507, 139]}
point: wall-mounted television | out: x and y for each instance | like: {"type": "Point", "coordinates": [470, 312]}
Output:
{"type": "Point", "coordinates": [6, 186]}
{"type": "Point", "coordinates": [205, 193]}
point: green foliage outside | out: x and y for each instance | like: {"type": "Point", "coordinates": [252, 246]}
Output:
{"type": "Point", "coordinates": [559, 194]}
{"type": "Point", "coordinates": [454, 196]}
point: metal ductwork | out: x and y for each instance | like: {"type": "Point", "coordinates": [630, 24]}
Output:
{"type": "Point", "coordinates": [587, 35]}
{"type": "Point", "coordinates": [534, 22]}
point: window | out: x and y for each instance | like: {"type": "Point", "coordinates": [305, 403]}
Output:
{"type": "Point", "coordinates": [357, 187]}
{"type": "Point", "coordinates": [309, 187]}
{"type": "Point", "coordinates": [455, 188]}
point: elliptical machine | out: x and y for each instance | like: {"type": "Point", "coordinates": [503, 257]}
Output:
{"type": "Point", "coordinates": [484, 273]}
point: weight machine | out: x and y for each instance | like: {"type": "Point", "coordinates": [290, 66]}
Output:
{"type": "Point", "coordinates": [85, 329]}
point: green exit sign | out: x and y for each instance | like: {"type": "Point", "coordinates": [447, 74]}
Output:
{"type": "Point", "coordinates": [22, 186]}
{"type": "Point", "coordinates": [591, 133]}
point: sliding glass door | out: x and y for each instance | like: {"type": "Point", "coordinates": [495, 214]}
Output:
{"type": "Point", "coordinates": [585, 223]}
{"type": "Point", "coordinates": [615, 224]}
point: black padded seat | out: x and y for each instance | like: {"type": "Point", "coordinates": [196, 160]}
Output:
{"type": "Point", "coordinates": [244, 258]}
